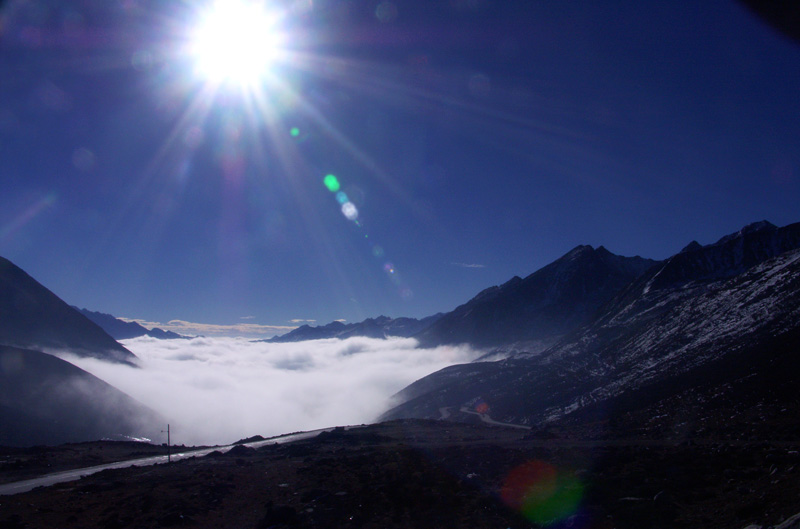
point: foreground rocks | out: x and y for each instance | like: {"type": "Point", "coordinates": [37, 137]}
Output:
{"type": "Point", "coordinates": [436, 474]}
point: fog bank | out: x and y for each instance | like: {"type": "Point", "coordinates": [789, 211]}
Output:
{"type": "Point", "coordinates": [218, 390]}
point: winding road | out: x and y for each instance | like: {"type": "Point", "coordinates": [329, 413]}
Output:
{"type": "Point", "coordinates": [445, 414]}
{"type": "Point", "coordinates": [77, 473]}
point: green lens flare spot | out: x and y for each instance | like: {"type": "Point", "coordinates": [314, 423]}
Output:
{"type": "Point", "coordinates": [295, 132]}
{"type": "Point", "coordinates": [332, 183]}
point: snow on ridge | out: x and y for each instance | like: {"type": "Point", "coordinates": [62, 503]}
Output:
{"type": "Point", "coordinates": [694, 329]}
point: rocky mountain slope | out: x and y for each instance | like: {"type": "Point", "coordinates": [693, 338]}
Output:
{"type": "Point", "coordinates": [541, 308]}
{"type": "Point", "coordinates": [728, 309]}
{"type": "Point", "coordinates": [380, 327]}
{"type": "Point", "coordinates": [124, 330]}
{"type": "Point", "coordinates": [32, 317]}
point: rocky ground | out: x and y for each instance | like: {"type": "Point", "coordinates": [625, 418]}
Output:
{"type": "Point", "coordinates": [438, 474]}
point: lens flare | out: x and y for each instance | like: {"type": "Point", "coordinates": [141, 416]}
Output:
{"type": "Point", "coordinates": [541, 492]}
{"type": "Point", "coordinates": [83, 159]}
{"type": "Point", "coordinates": [349, 210]}
{"type": "Point", "coordinates": [28, 215]}
{"type": "Point", "coordinates": [332, 183]}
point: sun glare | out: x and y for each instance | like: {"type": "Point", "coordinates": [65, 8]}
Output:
{"type": "Point", "coordinates": [236, 42]}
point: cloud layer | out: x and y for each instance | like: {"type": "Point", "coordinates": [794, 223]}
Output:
{"type": "Point", "coordinates": [218, 390]}
{"type": "Point", "coordinates": [245, 330]}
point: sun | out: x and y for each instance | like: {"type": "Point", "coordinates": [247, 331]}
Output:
{"type": "Point", "coordinates": [235, 42]}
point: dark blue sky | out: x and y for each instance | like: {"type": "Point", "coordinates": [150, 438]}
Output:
{"type": "Point", "coordinates": [477, 139]}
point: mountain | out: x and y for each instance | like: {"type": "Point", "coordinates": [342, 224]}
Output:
{"type": "Point", "coordinates": [124, 330]}
{"type": "Point", "coordinates": [541, 308]}
{"type": "Point", "coordinates": [697, 276]}
{"type": "Point", "coordinates": [45, 400]}
{"type": "Point", "coordinates": [380, 327]}
{"type": "Point", "coordinates": [531, 312]}
{"type": "Point", "coordinates": [728, 257]}
{"type": "Point", "coordinates": [32, 317]}
{"type": "Point", "coordinates": [706, 320]}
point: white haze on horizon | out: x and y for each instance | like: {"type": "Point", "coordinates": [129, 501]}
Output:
{"type": "Point", "coordinates": [218, 390]}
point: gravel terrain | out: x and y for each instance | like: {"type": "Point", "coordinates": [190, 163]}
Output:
{"type": "Point", "coordinates": [414, 473]}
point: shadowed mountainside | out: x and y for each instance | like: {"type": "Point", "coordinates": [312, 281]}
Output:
{"type": "Point", "coordinates": [45, 400]}
{"type": "Point", "coordinates": [542, 307]}
{"type": "Point", "coordinates": [32, 317]}
{"type": "Point", "coordinates": [729, 309]}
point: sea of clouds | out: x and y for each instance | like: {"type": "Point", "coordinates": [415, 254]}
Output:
{"type": "Point", "coordinates": [218, 390]}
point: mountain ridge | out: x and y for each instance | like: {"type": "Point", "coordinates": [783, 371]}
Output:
{"type": "Point", "coordinates": [33, 317]}
{"type": "Point", "coordinates": [643, 336]}
{"type": "Point", "coordinates": [543, 306]}
{"type": "Point", "coordinates": [731, 255]}
{"type": "Point", "coordinates": [380, 327]}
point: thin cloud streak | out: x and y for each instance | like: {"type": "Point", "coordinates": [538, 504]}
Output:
{"type": "Point", "coordinates": [469, 265]}
{"type": "Point", "coordinates": [218, 390]}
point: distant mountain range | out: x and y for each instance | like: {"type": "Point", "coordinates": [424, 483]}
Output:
{"type": "Point", "coordinates": [32, 317]}
{"type": "Point", "coordinates": [380, 327]}
{"type": "Point", "coordinates": [709, 315]}
{"type": "Point", "coordinates": [125, 330]}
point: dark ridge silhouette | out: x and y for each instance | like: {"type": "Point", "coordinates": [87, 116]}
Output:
{"type": "Point", "coordinates": [545, 305]}
{"type": "Point", "coordinates": [32, 317]}
{"type": "Point", "coordinates": [45, 400]}
{"type": "Point", "coordinates": [380, 327]}
{"type": "Point", "coordinates": [710, 314]}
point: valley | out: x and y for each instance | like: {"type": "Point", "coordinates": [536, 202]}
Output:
{"type": "Point", "coordinates": [664, 396]}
